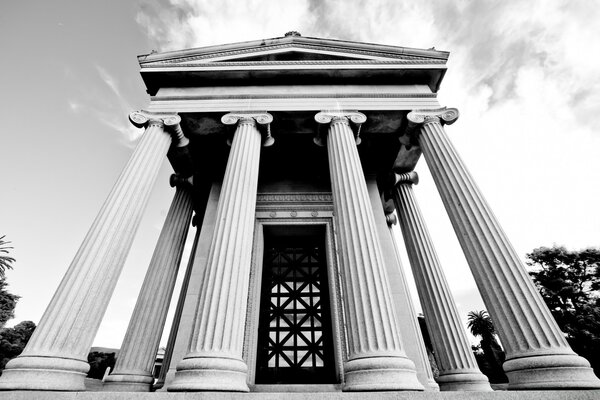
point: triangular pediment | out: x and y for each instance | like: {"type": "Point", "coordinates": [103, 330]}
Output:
{"type": "Point", "coordinates": [293, 49]}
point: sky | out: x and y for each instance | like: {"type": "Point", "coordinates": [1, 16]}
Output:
{"type": "Point", "coordinates": [525, 77]}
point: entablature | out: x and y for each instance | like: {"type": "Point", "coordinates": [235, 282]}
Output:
{"type": "Point", "coordinates": [293, 98]}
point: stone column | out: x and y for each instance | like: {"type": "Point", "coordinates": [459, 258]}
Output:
{"type": "Point", "coordinates": [410, 325]}
{"type": "Point", "coordinates": [135, 363]}
{"type": "Point", "coordinates": [456, 362]}
{"type": "Point", "coordinates": [56, 356]}
{"type": "Point", "coordinates": [537, 354]}
{"type": "Point", "coordinates": [376, 359]}
{"type": "Point", "coordinates": [177, 315]}
{"type": "Point", "coordinates": [214, 361]}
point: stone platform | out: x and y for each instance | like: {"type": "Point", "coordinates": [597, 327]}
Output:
{"type": "Point", "coordinates": [499, 395]}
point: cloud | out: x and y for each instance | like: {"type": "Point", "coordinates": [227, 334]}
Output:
{"type": "Point", "coordinates": [102, 99]}
{"type": "Point", "coordinates": [74, 106]}
{"type": "Point", "coordinates": [490, 41]}
{"type": "Point", "coordinates": [525, 75]}
{"type": "Point", "coordinates": [185, 23]}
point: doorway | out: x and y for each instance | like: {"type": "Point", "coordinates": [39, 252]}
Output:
{"type": "Point", "coordinates": [295, 344]}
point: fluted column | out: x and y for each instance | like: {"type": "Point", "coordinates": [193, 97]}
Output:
{"type": "Point", "coordinates": [537, 354]}
{"type": "Point", "coordinates": [409, 326]}
{"type": "Point", "coordinates": [177, 315]}
{"type": "Point", "coordinates": [376, 360]}
{"type": "Point", "coordinates": [456, 362]}
{"type": "Point", "coordinates": [135, 363]}
{"type": "Point", "coordinates": [56, 356]}
{"type": "Point", "coordinates": [214, 361]}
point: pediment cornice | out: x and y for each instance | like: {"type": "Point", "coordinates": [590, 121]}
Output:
{"type": "Point", "coordinates": [341, 52]}
{"type": "Point", "coordinates": [291, 60]}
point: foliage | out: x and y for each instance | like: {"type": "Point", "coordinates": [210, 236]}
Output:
{"type": "Point", "coordinates": [428, 346]}
{"type": "Point", "coordinates": [569, 282]}
{"type": "Point", "coordinates": [8, 302]}
{"type": "Point", "coordinates": [5, 260]}
{"type": "Point", "coordinates": [488, 353]}
{"type": "Point", "coordinates": [480, 324]}
{"type": "Point", "coordinates": [13, 341]}
{"type": "Point", "coordinates": [99, 361]}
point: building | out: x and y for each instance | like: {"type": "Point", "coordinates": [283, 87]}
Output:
{"type": "Point", "coordinates": [293, 153]}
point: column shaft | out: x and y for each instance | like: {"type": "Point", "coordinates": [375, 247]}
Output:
{"type": "Point", "coordinates": [376, 360]}
{"type": "Point", "coordinates": [456, 362]}
{"type": "Point", "coordinates": [191, 287]}
{"type": "Point", "coordinates": [56, 356]}
{"type": "Point", "coordinates": [537, 354]}
{"type": "Point", "coordinates": [135, 363]}
{"type": "Point", "coordinates": [214, 361]}
{"type": "Point", "coordinates": [177, 317]}
{"type": "Point", "coordinates": [408, 325]}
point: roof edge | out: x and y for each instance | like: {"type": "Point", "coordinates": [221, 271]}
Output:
{"type": "Point", "coordinates": [338, 44]}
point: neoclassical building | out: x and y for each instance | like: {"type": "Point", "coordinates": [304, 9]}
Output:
{"type": "Point", "coordinates": [291, 155]}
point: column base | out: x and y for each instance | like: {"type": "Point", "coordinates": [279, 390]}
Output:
{"type": "Point", "coordinates": [44, 373]}
{"type": "Point", "coordinates": [120, 382]}
{"type": "Point", "coordinates": [473, 381]}
{"type": "Point", "coordinates": [554, 371]}
{"type": "Point", "coordinates": [195, 374]}
{"type": "Point", "coordinates": [431, 386]}
{"type": "Point", "coordinates": [380, 373]}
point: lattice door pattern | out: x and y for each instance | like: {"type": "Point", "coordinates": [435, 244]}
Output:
{"type": "Point", "coordinates": [295, 344]}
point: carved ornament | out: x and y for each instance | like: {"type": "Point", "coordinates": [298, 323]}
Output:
{"type": "Point", "coordinates": [294, 198]}
{"type": "Point", "coordinates": [445, 116]}
{"type": "Point", "coordinates": [253, 118]}
{"type": "Point", "coordinates": [261, 118]}
{"type": "Point", "coordinates": [144, 119]}
{"type": "Point", "coordinates": [180, 181]}
{"type": "Point", "coordinates": [391, 219]}
{"type": "Point", "coordinates": [328, 117]}
{"type": "Point", "coordinates": [409, 177]}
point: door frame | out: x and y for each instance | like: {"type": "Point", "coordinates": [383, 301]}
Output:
{"type": "Point", "coordinates": [298, 209]}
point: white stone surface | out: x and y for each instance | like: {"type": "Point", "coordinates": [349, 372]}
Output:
{"type": "Point", "coordinates": [56, 356]}
{"type": "Point", "coordinates": [537, 354]}
{"type": "Point", "coordinates": [183, 320]}
{"type": "Point", "coordinates": [214, 361]}
{"type": "Point", "coordinates": [456, 362]}
{"type": "Point", "coordinates": [376, 360]}
{"type": "Point", "coordinates": [408, 325]}
{"type": "Point", "coordinates": [313, 395]}
{"type": "Point", "coordinates": [135, 363]}
{"type": "Point", "coordinates": [177, 319]}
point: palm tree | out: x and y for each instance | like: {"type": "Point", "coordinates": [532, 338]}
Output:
{"type": "Point", "coordinates": [480, 324]}
{"type": "Point", "coordinates": [5, 260]}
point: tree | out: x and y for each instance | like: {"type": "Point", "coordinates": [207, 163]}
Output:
{"type": "Point", "coordinates": [99, 361]}
{"type": "Point", "coordinates": [491, 356]}
{"type": "Point", "coordinates": [569, 282]}
{"type": "Point", "coordinates": [8, 302]}
{"type": "Point", "coordinates": [5, 260]}
{"type": "Point", "coordinates": [13, 341]}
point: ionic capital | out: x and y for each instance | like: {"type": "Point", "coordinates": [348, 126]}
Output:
{"type": "Point", "coordinates": [144, 119]}
{"type": "Point", "coordinates": [327, 117]}
{"type": "Point", "coordinates": [445, 116]}
{"type": "Point", "coordinates": [340, 117]}
{"type": "Point", "coordinates": [252, 118]}
{"type": "Point", "coordinates": [391, 219]}
{"type": "Point", "coordinates": [176, 180]}
{"type": "Point", "coordinates": [261, 118]}
{"type": "Point", "coordinates": [411, 178]}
